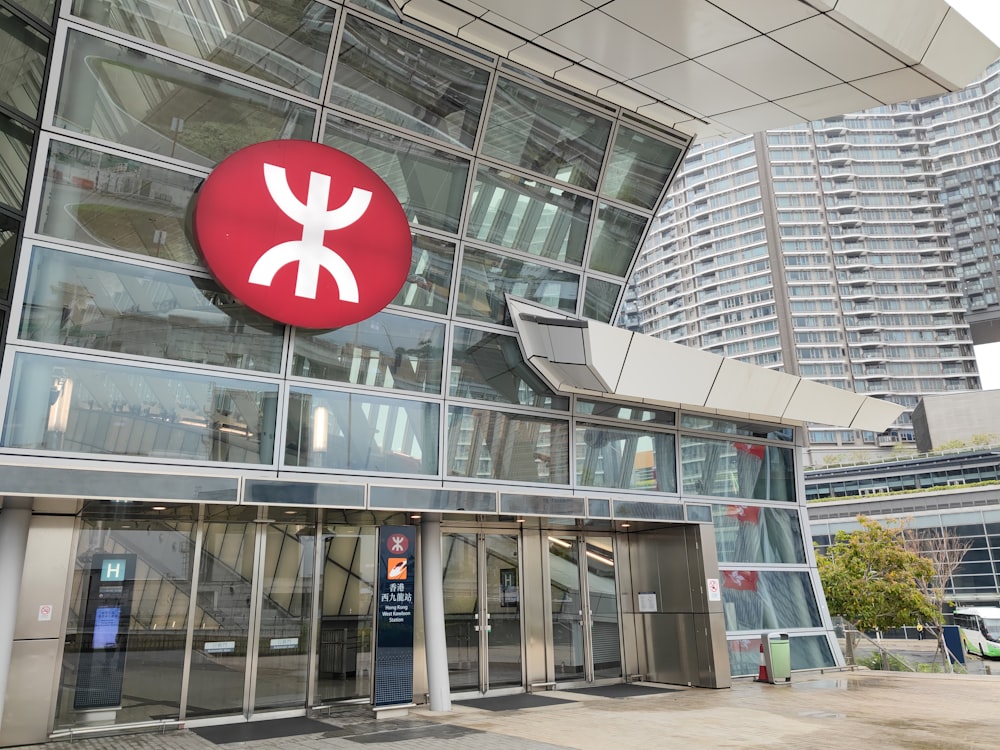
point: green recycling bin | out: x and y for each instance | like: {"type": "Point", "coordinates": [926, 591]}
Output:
{"type": "Point", "coordinates": [778, 656]}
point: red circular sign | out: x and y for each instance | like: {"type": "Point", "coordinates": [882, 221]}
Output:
{"type": "Point", "coordinates": [303, 234]}
{"type": "Point", "coordinates": [397, 544]}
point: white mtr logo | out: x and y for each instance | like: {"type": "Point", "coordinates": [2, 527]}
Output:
{"type": "Point", "coordinates": [309, 252]}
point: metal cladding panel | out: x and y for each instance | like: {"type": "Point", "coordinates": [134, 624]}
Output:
{"type": "Point", "coordinates": [742, 387]}
{"type": "Point", "coordinates": [815, 402]}
{"type": "Point", "coordinates": [668, 373]}
{"type": "Point", "coordinates": [875, 415]}
{"type": "Point", "coordinates": [607, 350]}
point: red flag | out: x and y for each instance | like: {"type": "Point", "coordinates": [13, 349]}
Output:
{"type": "Point", "coordinates": [741, 580]}
{"type": "Point", "coordinates": [744, 513]}
{"type": "Point", "coordinates": [751, 449]}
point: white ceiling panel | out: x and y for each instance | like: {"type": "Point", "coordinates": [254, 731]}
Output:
{"type": "Point", "coordinates": [836, 48]}
{"type": "Point", "coordinates": [691, 27]}
{"type": "Point", "coordinates": [742, 387]}
{"type": "Point", "coordinates": [667, 372]}
{"type": "Point", "coordinates": [502, 23]}
{"type": "Point", "coordinates": [607, 349]}
{"type": "Point", "coordinates": [701, 129]}
{"type": "Point", "coordinates": [776, 72]}
{"type": "Point", "coordinates": [540, 17]}
{"type": "Point", "coordinates": [908, 82]}
{"type": "Point", "coordinates": [583, 78]}
{"type": "Point", "coordinates": [663, 113]}
{"type": "Point", "coordinates": [473, 9]}
{"type": "Point", "coordinates": [757, 117]}
{"type": "Point", "coordinates": [439, 15]}
{"type": "Point", "coordinates": [614, 45]}
{"type": "Point", "coordinates": [835, 100]}
{"type": "Point", "coordinates": [490, 37]}
{"type": "Point", "coordinates": [539, 59]}
{"type": "Point", "coordinates": [821, 404]}
{"type": "Point", "coordinates": [625, 96]}
{"type": "Point", "coordinates": [693, 85]}
{"type": "Point", "coordinates": [767, 15]}
{"type": "Point", "coordinates": [905, 27]}
{"type": "Point", "coordinates": [953, 48]}
{"type": "Point", "coordinates": [876, 414]}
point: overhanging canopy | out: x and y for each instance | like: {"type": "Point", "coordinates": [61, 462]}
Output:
{"type": "Point", "coordinates": [575, 355]}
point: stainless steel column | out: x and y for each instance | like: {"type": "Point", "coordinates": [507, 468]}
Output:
{"type": "Point", "coordinates": [432, 591]}
{"type": "Point", "coordinates": [15, 519]}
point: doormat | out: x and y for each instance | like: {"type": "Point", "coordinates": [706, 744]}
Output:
{"type": "Point", "coordinates": [622, 690]}
{"type": "Point", "coordinates": [512, 702]}
{"type": "Point", "coordinates": [250, 731]}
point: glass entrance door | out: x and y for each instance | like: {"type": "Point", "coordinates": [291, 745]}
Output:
{"type": "Point", "coordinates": [482, 611]}
{"type": "Point", "coordinates": [586, 643]}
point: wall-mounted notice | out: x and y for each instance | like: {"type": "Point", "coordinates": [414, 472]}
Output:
{"type": "Point", "coordinates": [647, 601]}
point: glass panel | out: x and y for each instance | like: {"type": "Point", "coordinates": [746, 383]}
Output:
{"type": "Point", "coordinates": [617, 237]}
{"type": "Point", "coordinates": [460, 559]}
{"type": "Point", "coordinates": [381, 7]}
{"type": "Point", "coordinates": [22, 64]}
{"type": "Point", "coordinates": [408, 84]}
{"type": "Point", "coordinates": [495, 445]}
{"type": "Point", "coordinates": [486, 277]}
{"type": "Point", "coordinates": [430, 184]}
{"type": "Point", "coordinates": [543, 134]}
{"type": "Point", "coordinates": [428, 286]}
{"type": "Point", "coordinates": [134, 99]}
{"type": "Point", "coordinates": [336, 430]}
{"type": "Point", "coordinates": [286, 610]}
{"type": "Point", "coordinates": [749, 533]}
{"type": "Point", "coordinates": [599, 508]}
{"type": "Point", "coordinates": [390, 351]}
{"type": "Point", "coordinates": [600, 299]}
{"type": "Point", "coordinates": [503, 610]}
{"type": "Point", "coordinates": [621, 411]}
{"type": "Point", "coordinates": [346, 612]}
{"type": "Point", "coordinates": [605, 639]}
{"type": "Point", "coordinates": [489, 367]}
{"type": "Point", "coordinates": [76, 300]}
{"type": "Point", "coordinates": [539, 505]}
{"type": "Point", "coordinates": [223, 618]}
{"type": "Point", "coordinates": [524, 214]}
{"type": "Point", "coordinates": [417, 498]}
{"type": "Point", "coordinates": [625, 458]}
{"type": "Point", "coordinates": [304, 493]}
{"type": "Point", "coordinates": [639, 167]}
{"type": "Point", "coordinates": [648, 511]}
{"type": "Point", "coordinates": [41, 8]}
{"type": "Point", "coordinates": [151, 623]}
{"type": "Point", "coordinates": [766, 431]}
{"type": "Point", "coordinates": [15, 152]}
{"type": "Point", "coordinates": [567, 608]}
{"type": "Point", "coordinates": [730, 469]}
{"type": "Point", "coordinates": [97, 407]}
{"type": "Point", "coordinates": [768, 600]}
{"type": "Point", "coordinates": [101, 199]}
{"type": "Point", "coordinates": [9, 228]}
{"type": "Point", "coordinates": [283, 42]}
{"type": "Point", "coordinates": [807, 652]}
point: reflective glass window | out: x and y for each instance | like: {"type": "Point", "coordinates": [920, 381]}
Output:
{"type": "Point", "coordinates": [486, 444]}
{"type": "Point", "coordinates": [283, 42]}
{"type": "Point", "coordinates": [807, 652]}
{"type": "Point", "coordinates": [408, 84]}
{"type": "Point", "coordinates": [751, 534]}
{"type": "Point", "coordinates": [486, 277]}
{"type": "Point", "coordinates": [74, 406]}
{"type": "Point", "coordinates": [96, 198]}
{"type": "Point", "coordinates": [382, 7]}
{"type": "Point", "coordinates": [543, 134]}
{"type": "Point", "coordinates": [489, 367]}
{"type": "Point", "coordinates": [621, 411]}
{"type": "Point", "coordinates": [768, 600]}
{"type": "Point", "coordinates": [428, 286]}
{"type": "Point", "coordinates": [40, 8]}
{"type": "Point", "coordinates": [15, 152]}
{"type": "Point", "coordinates": [625, 458]}
{"type": "Point", "coordinates": [361, 432]}
{"type": "Point", "coordinates": [138, 100]}
{"type": "Point", "coordinates": [617, 236]}
{"type": "Point", "coordinates": [22, 64]}
{"type": "Point", "coordinates": [9, 227]}
{"type": "Point", "coordinates": [638, 168]}
{"type": "Point", "coordinates": [93, 303]}
{"type": "Point", "coordinates": [523, 214]}
{"type": "Point", "coordinates": [766, 431]}
{"type": "Point", "coordinates": [600, 299]}
{"type": "Point", "coordinates": [733, 469]}
{"type": "Point", "coordinates": [386, 350]}
{"type": "Point", "coordinates": [430, 184]}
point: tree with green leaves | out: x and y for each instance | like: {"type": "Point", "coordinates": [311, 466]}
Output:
{"type": "Point", "coordinates": [874, 581]}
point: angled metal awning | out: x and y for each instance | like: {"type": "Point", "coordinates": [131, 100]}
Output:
{"type": "Point", "coordinates": [586, 357]}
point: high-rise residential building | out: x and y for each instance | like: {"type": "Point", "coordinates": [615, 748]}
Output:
{"type": "Point", "coordinates": [839, 251]}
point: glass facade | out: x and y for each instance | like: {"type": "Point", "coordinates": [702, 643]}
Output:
{"type": "Point", "coordinates": [122, 351]}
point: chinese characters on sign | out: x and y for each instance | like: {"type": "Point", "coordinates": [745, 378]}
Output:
{"type": "Point", "coordinates": [394, 620]}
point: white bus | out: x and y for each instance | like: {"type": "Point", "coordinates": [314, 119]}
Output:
{"type": "Point", "coordinates": [980, 630]}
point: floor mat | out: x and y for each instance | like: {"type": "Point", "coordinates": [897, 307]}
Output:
{"type": "Point", "coordinates": [512, 702]}
{"type": "Point", "coordinates": [623, 690]}
{"type": "Point", "coordinates": [261, 730]}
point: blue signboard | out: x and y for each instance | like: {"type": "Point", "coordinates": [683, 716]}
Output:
{"type": "Point", "coordinates": [394, 616]}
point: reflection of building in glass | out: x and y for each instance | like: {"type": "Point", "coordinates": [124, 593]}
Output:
{"type": "Point", "coordinates": [246, 470]}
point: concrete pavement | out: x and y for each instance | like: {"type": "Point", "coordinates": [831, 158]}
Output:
{"type": "Point", "coordinates": [832, 711]}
